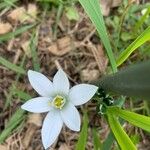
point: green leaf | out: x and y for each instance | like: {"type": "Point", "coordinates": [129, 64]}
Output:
{"type": "Point", "coordinates": [107, 144]}
{"type": "Point", "coordinates": [18, 31]}
{"type": "Point", "coordinates": [22, 95]}
{"type": "Point", "coordinates": [34, 53]}
{"type": "Point", "coordinates": [141, 39]}
{"type": "Point", "coordinates": [138, 120]}
{"type": "Point", "coordinates": [141, 20]}
{"type": "Point", "coordinates": [133, 81]}
{"type": "Point", "coordinates": [72, 13]}
{"type": "Point", "coordinates": [96, 140]}
{"type": "Point", "coordinates": [81, 144]}
{"type": "Point", "coordinates": [11, 66]}
{"type": "Point", "coordinates": [92, 8]}
{"type": "Point", "coordinates": [12, 124]}
{"type": "Point", "coordinates": [122, 138]}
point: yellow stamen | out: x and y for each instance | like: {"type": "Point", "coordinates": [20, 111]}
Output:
{"type": "Point", "coordinates": [59, 102]}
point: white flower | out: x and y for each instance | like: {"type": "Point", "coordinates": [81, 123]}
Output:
{"type": "Point", "coordinates": [59, 102]}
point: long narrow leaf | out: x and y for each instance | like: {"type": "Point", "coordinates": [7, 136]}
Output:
{"type": "Point", "coordinates": [83, 135]}
{"type": "Point", "coordinates": [122, 138]}
{"type": "Point", "coordinates": [134, 118]}
{"type": "Point", "coordinates": [22, 95]}
{"type": "Point", "coordinates": [96, 141]}
{"type": "Point", "coordinates": [11, 66]}
{"type": "Point", "coordinates": [92, 8]}
{"type": "Point", "coordinates": [33, 46]}
{"type": "Point", "coordinates": [141, 39]}
{"type": "Point", "coordinates": [15, 120]}
{"type": "Point", "coordinates": [18, 31]}
{"type": "Point", "coordinates": [141, 20]}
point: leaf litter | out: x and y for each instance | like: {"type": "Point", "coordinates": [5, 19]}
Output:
{"type": "Point", "coordinates": [74, 49]}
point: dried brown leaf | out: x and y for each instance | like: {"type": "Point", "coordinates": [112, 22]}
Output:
{"type": "Point", "coordinates": [89, 75]}
{"type": "Point", "coordinates": [21, 14]}
{"type": "Point", "coordinates": [106, 5]}
{"type": "Point", "coordinates": [5, 28]}
{"type": "Point", "coordinates": [35, 119]}
{"type": "Point", "coordinates": [26, 47]}
{"type": "Point", "coordinates": [61, 46]}
{"type": "Point", "coordinates": [64, 147]}
{"type": "Point", "coordinates": [16, 14]}
{"type": "Point", "coordinates": [3, 147]}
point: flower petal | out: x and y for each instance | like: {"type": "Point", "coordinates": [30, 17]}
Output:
{"type": "Point", "coordinates": [71, 117]}
{"type": "Point", "coordinates": [61, 82]}
{"type": "Point", "coordinates": [40, 83]}
{"type": "Point", "coordinates": [51, 128]}
{"type": "Point", "coordinates": [82, 93]}
{"type": "Point", "coordinates": [38, 105]}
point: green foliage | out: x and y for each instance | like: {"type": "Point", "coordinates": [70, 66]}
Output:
{"type": "Point", "coordinates": [7, 4]}
{"type": "Point", "coordinates": [138, 120]}
{"type": "Point", "coordinates": [92, 8]}
{"type": "Point", "coordinates": [141, 39]}
{"type": "Point", "coordinates": [11, 66]}
{"type": "Point", "coordinates": [122, 138]}
{"type": "Point", "coordinates": [132, 81]}
{"type": "Point", "coordinates": [81, 144]}
{"type": "Point", "coordinates": [12, 124]}
{"type": "Point", "coordinates": [18, 31]}
{"type": "Point", "coordinates": [141, 21]}
{"type": "Point", "coordinates": [34, 53]}
{"type": "Point", "coordinates": [96, 140]}
{"type": "Point", "coordinates": [21, 94]}
{"type": "Point", "coordinates": [72, 13]}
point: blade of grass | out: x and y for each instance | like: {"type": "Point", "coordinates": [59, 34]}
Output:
{"type": "Point", "coordinates": [7, 4]}
{"type": "Point", "coordinates": [59, 13]}
{"type": "Point", "coordinates": [81, 144]}
{"type": "Point", "coordinates": [109, 141]}
{"type": "Point", "coordinates": [92, 8]}
{"type": "Point", "coordinates": [107, 144]}
{"type": "Point", "coordinates": [22, 95]}
{"type": "Point", "coordinates": [122, 138]}
{"type": "Point", "coordinates": [33, 47]}
{"type": "Point", "coordinates": [12, 124]}
{"type": "Point", "coordinates": [141, 21]}
{"type": "Point", "coordinates": [134, 118]}
{"type": "Point", "coordinates": [96, 140]}
{"type": "Point", "coordinates": [18, 31]}
{"type": "Point", "coordinates": [141, 39]}
{"type": "Point", "coordinates": [14, 85]}
{"type": "Point", "coordinates": [11, 66]}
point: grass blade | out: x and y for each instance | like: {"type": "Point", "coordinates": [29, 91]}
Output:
{"type": "Point", "coordinates": [18, 31]}
{"type": "Point", "coordinates": [141, 39]}
{"type": "Point", "coordinates": [11, 66]}
{"type": "Point", "coordinates": [15, 120]}
{"type": "Point", "coordinates": [141, 21]}
{"type": "Point", "coordinates": [92, 8]}
{"type": "Point", "coordinates": [33, 46]}
{"type": "Point", "coordinates": [96, 140]}
{"type": "Point", "coordinates": [122, 138]}
{"type": "Point", "coordinates": [81, 144]}
{"type": "Point", "coordinates": [21, 94]}
{"type": "Point", "coordinates": [138, 120]}
{"type": "Point", "coordinates": [109, 141]}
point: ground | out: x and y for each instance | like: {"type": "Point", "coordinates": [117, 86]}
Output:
{"type": "Point", "coordinates": [44, 37]}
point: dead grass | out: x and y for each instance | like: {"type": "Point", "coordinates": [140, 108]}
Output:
{"type": "Point", "coordinates": [77, 50]}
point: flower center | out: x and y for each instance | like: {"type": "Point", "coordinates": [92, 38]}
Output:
{"type": "Point", "coordinates": [58, 102]}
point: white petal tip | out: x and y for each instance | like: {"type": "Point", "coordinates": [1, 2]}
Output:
{"type": "Point", "coordinates": [23, 107]}
{"type": "Point", "coordinates": [46, 147]}
{"type": "Point", "coordinates": [30, 72]}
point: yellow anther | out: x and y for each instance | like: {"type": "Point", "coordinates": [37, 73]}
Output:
{"type": "Point", "coordinates": [59, 102]}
